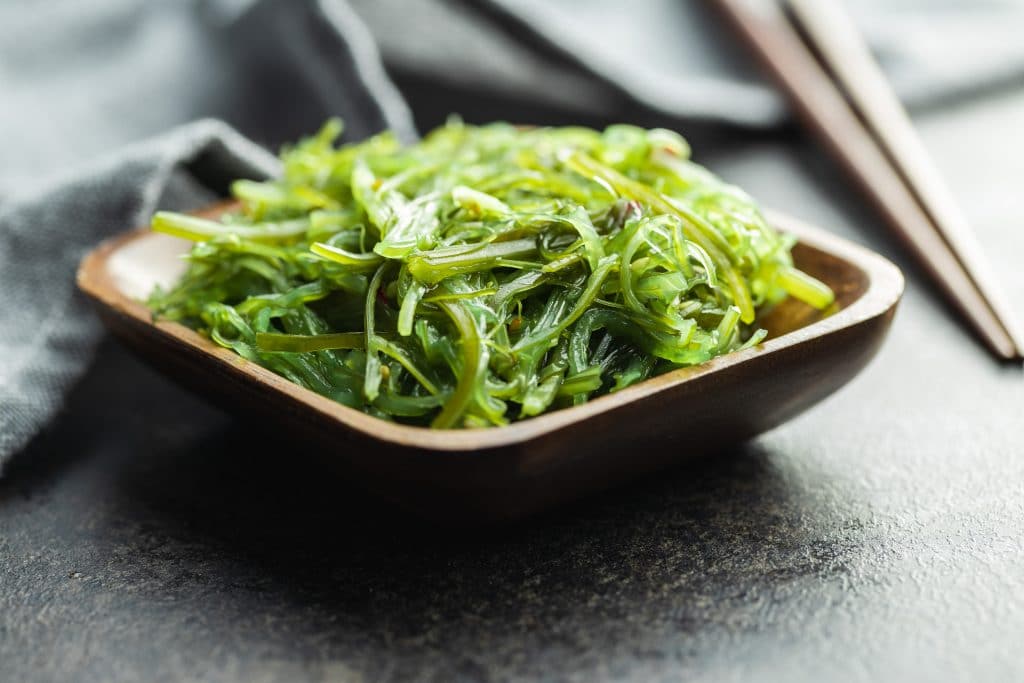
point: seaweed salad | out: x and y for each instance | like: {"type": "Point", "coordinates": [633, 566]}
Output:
{"type": "Point", "coordinates": [484, 274]}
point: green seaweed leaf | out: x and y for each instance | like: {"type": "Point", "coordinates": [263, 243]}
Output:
{"type": "Point", "coordinates": [486, 273]}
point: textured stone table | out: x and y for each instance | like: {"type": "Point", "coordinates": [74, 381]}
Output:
{"type": "Point", "coordinates": [149, 536]}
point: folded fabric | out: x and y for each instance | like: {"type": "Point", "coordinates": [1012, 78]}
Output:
{"type": "Point", "coordinates": [676, 58]}
{"type": "Point", "coordinates": [47, 333]}
{"type": "Point", "coordinates": [80, 79]}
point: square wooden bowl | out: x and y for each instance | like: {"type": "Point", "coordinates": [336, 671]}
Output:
{"type": "Point", "coordinates": [504, 473]}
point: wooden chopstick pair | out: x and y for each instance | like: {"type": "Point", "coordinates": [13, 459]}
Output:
{"type": "Point", "coordinates": [846, 101]}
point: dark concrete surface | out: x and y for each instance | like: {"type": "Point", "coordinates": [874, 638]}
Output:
{"type": "Point", "coordinates": [148, 536]}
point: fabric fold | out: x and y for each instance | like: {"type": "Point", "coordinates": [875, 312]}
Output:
{"type": "Point", "coordinates": [677, 60]}
{"type": "Point", "coordinates": [47, 332]}
{"type": "Point", "coordinates": [81, 82]}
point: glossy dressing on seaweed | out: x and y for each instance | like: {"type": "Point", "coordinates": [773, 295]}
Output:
{"type": "Point", "coordinates": [485, 274]}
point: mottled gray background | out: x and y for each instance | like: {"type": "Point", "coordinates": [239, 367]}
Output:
{"type": "Point", "coordinates": [148, 536]}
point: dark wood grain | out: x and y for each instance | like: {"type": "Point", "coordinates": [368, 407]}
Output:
{"type": "Point", "coordinates": [475, 476]}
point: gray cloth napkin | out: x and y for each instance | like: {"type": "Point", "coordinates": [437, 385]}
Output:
{"type": "Point", "coordinates": [81, 79]}
{"type": "Point", "coordinates": [675, 58]}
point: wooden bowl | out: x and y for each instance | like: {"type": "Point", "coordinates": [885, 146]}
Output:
{"type": "Point", "coordinates": [504, 473]}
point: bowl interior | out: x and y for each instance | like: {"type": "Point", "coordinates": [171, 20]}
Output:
{"type": "Point", "coordinates": [847, 280]}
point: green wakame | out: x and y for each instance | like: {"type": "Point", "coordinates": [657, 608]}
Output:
{"type": "Point", "coordinates": [484, 274]}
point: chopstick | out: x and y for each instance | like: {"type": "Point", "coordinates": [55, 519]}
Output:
{"type": "Point", "coordinates": [882, 153]}
{"type": "Point", "coordinates": [844, 50]}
